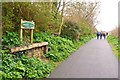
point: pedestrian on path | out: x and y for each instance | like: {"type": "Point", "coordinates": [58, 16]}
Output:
{"type": "Point", "coordinates": [104, 35]}
{"type": "Point", "coordinates": [101, 34]}
{"type": "Point", "coordinates": [98, 34]}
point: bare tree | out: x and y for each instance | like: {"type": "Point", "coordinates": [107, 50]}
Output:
{"type": "Point", "coordinates": [115, 31]}
{"type": "Point", "coordinates": [78, 11]}
{"type": "Point", "coordinates": [60, 8]}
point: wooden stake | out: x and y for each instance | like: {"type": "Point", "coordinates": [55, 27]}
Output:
{"type": "Point", "coordinates": [21, 31]}
{"type": "Point", "coordinates": [21, 37]}
{"type": "Point", "coordinates": [31, 36]}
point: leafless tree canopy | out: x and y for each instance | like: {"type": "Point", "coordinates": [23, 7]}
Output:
{"type": "Point", "coordinates": [116, 32]}
{"type": "Point", "coordinates": [78, 11]}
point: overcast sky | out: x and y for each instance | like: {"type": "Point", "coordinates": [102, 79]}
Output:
{"type": "Point", "coordinates": [108, 16]}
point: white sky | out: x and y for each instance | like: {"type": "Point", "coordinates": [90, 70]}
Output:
{"type": "Point", "coordinates": [108, 16]}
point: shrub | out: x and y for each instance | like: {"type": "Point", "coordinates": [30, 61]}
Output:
{"type": "Point", "coordinates": [24, 67]}
{"type": "Point", "coordinates": [14, 66]}
{"type": "Point", "coordinates": [114, 41]}
{"type": "Point", "coordinates": [11, 39]}
{"type": "Point", "coordinates": [71, 30]}
{"type": "Point", "coordinates": [59, 48]}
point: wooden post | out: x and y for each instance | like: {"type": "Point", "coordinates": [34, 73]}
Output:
{"type": "Point", "coordinates": [45, 48]}
{"type": "Point", "coordinates": [21, 37]}
{"type": "Point", "coordinates": [31, 36]}
{"type": "Point", "coordinates": [21, 31]}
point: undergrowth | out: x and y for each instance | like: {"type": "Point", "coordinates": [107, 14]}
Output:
{"type": "Point", "coordinates": [23, 67]}
{"type": "Point", "coordinates": [114, 42]}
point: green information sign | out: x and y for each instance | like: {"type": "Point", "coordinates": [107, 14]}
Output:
{"type": "Point", "coordinates": [27, 24]}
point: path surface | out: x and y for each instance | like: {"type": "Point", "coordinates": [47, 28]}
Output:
{"type": "Point", "coordinates": [93, 60]}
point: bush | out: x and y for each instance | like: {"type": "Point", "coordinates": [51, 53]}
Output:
{"type": "Point", "coordinates": [60, 48]}
{"type": "Point", "coordinates": [24, 67]}
{"type": "Point", "coordinates": [11, 39]}
{"type": "Point", "coordinates": [75, 31]}
{"type": "Point", "coordinates": [114, 41]}
{"type": "Point", "coordinates": [71, 30]}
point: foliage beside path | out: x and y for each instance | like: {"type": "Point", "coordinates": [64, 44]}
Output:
{"type": "Point", "coordinates": [114, 42]}
{"type": "Point", "coordinates": [60, 48]}
{"type": "Point", "coordinates": [72, 31]}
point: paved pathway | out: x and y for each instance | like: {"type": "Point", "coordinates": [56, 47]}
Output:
{"type": "Point", "coordinates": [93, 60]}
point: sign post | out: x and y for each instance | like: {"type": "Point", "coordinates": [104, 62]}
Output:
{"type": "Point", "coordinates": [31, 35]}
{"type": "Point", "coordinates": [27, 25]}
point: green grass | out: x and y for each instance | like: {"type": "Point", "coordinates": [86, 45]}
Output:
{"type": "Point", "coordinates": [114, 42]}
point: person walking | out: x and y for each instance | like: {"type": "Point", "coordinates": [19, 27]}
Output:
{"type": "Point", "coordinates": [101, 34]}
{"type": "Point", "coordinates": [104, 35]}
{"type": "Point", "coordinates": [98, 34]}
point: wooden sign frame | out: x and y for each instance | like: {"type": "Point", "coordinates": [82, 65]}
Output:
{"type": "Point", "coordinates": [28, 24]}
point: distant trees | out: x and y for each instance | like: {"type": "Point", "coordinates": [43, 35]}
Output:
{"type": "Point", "coordinates": [115, 31]}
{"type": "Point", "coordinates": [53, 17]}
{"type": "Point", "coordinates": [42, 13]}
{"type": "Point", "coordinates": [83, 14]}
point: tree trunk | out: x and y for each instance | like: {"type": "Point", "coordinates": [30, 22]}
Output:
{"type": "Point", "coordinates": [62, 17]}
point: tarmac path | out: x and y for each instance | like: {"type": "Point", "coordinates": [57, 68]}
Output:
{"type": "Point", "coordinates": [95, 59]}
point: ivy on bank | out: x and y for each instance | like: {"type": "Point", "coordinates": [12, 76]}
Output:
{"type": "Point", "coordinates": [24, 67]}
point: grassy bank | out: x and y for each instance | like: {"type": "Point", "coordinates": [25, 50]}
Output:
{"type": "Point", "coordinates": [114, 42]}
{"type": "Point", "coordinates": [23, 67]}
